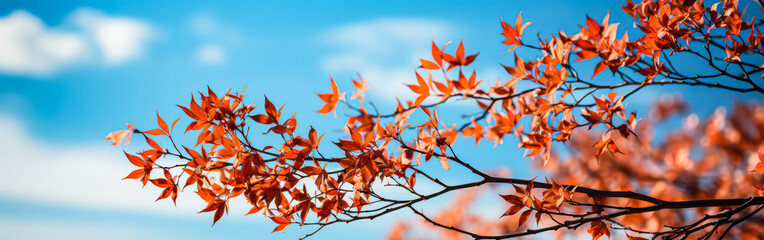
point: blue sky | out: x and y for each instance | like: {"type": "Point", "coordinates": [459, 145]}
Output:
{"type": "Point", "coordinates": [72, 71]}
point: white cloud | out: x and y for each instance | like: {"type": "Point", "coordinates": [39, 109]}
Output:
{"type": "Point", "coordinates": [385, 51]}
{"type": "Point", "coordinates": [211, 54]}
{"type": "Point", "coordinates": [27, 45]}
{"type": "Point", "coordinates": [79, 176]}
{"type": "Point", "coordinates": [47, 229]}
{"type": "Point", "coordinates": [119, 39]}
{"type": "Point", "coordinates": [30, 47]}
{"type": "Point", "coordinates": [83, 176]}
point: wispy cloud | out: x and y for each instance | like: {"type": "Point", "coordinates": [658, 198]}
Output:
{"type": "Point", "coordinates": [209, 27]}
{"type": "Point", "coordinates": [386, 51]}
{"type": "Point", "coordinates": [211, 54]}
{"type": "Point", "coordinates": [119, 39]}
{"type": "Point", "coordinates": [30, 47]}
{"type": "Point", "coordinates": [217, 37]}
{"type": "Point", "coordinates": [76, 176]}
{"type": "Point", "coordinates": [82, 176]}
{"type": "Point", "coordinates": [47, 229]}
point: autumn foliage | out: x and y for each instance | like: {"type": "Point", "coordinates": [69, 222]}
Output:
{"type": "Point", "coordinates": [609, 172]}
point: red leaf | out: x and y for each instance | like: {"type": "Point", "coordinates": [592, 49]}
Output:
{"type": "Point", "coordinates": [412, 180]}
{"type": "Point", "coordinates": [218, 214]}
{"type": "Point", "coordinates": [211, 205]}
{"type": "Point", "coordinates": [599, 68]}
{"type": "Point", "coordinates": [165, 193]}
{"type": "Point", "coordinates": [280, 227]}
{"type": "Point", "coordinates": [524, 217]}
{"type": "Point", "coordinates": [270, 109]}
{"type": "Point", "coordinates": [161, 182]}
{"type": "Point", "coordinates": [597, 228]}
{"type": "Point", "coordinates": [513, 210]}
{"type": "Point", "coordinates": [262, 118]}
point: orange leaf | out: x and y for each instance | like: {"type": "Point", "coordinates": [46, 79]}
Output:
{"type": "Point", "coordinates": [162, 123]}
{"type": "Point", "coordinates": [173, 124]}
{"type": "Point", "coordinates": [437, 55]}
{"type": "Point", "coordinates": [136, 174]}
{"type": "Point", "coordinates": [459, 51]}
{"type": "Point", "coordinates": [429, 65]}
{"type": "Point", "coordinates": [135, 160]}
{"type": "Point", "coordinates": [254, 209]}
{"type": "Point", "coordinates": [361, 87]}
{"type": "Point", "coordinates": [331, 99]}
{"type": "Point", "coordinates": [153, 144]}
{"type": "Point", "coordinates": [283, 223]}
{"type": "Point", "coordinates": [155, 132]}
{"type": "Point", "coordinates": [476, 131]}
{"type": "Point", "coordinates": [422, 89]}
{"type": "Point", "coordinates": [444, 163]}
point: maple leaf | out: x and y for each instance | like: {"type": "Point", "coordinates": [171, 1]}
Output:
{"type": "Point", "coordinates": [361, 87]}
{"type": "Point", "coordinates": [524, 217]}
{"type": "Point", "coordinates": [514, 34]}
{"type": "Point", "coordinates": [760, 165]}
{"type": "Point", "coordinates": [331, 99]}
{"type": "Point", "coordinates": [598, 229]}
{"type": "Point", "coordinates": [422, 89]}
{"type": "Point", "coordinates": [476, 130]}
{"type": "Point", "coordinates": [267, 174]}
{"type": "Point", "coordinates": [458, 59]}
{"type": "Point", "coordinates": [118, 136]}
